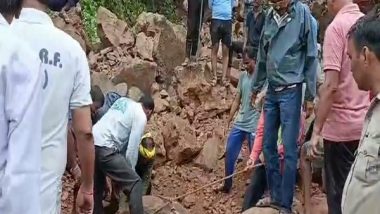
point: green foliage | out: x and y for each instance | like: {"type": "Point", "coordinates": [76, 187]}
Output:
{"type": "Point", "coordinates": [89, 10]}
{"type": "Point", "coordinates": [127, 10]}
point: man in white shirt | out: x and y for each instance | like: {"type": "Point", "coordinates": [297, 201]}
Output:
{"type": "Point", "coordinates": [121, 129]}
{"type": "Point", "coordinates": [20, 122]}
{"type": "Point", "coordinates": [66, 86]}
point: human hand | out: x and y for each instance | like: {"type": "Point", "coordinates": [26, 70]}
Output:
{"type": "Point", "coordinates": [316, 150]}
{"type": "Point", "coordinates": [85, 201]}
{"type": "Point", "coordinates": [309, 108]}
{"type": "Point", "coordinates": [250, 164]}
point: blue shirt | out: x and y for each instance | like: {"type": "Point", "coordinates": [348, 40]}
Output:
{"type": "Point", "coordinates": [221, 9]}
{"type": "Point", "coordinates": [288, 52]}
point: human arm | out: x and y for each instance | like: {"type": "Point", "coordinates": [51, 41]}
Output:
{"type": "Point", "coordinates": [311, 61]}
{"type": "Point", "coordinates": [137, 131]}
{"type": "Point", "coordinates": [260, 75]}
{"type": "Point", "coordinates": [22, 82]}
{"type": "Point", "coordinates": [236, 102]}
{"type": "Point", "coordinates": [258, 144]}
{"type": "Point", "coordinates": [257, 29]}
{"type": "Point", "coordinates": [333, 49]}
{"type": "Point", "coordinates": [82, 126]}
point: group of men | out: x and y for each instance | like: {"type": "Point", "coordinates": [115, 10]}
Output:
{"type": "Point", "coordinates": [281, 60]}
{"type": "Point", "coordinates": [45, 82]}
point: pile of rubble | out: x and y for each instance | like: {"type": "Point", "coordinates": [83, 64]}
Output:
{"type": "Point", "coordinates": [189, 124]}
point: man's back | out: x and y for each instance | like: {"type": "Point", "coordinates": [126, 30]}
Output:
{"type": "Point", "coordinates": [66, 86]}
{"type": "Point", "coordinates": [346, 117]}
{"type": "Point", "coordinates": [114, 128]}
{"type": "Point", "coordinates": [221, 9]}
{"type": "Point", "coordinates": [20, 126]}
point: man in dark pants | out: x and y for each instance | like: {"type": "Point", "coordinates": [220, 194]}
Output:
{"type": "Point", "coordinates": [195, 13]}
{"type": "Point", "coordinates": [121, 127]}
{"type": "Point", "coordinates": [254, 25]}
{"type": "Point", "coordinates": [285, 66]}
{"type": "Point", "coordinates": [342, 106]}
{"type": "Point", "coordinates": [221, 31]}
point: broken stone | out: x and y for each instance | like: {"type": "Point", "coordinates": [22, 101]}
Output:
{"type": "Point", "coordinates": [164, 94]}
{"type": "Point", "coordinates": [111, 30]}
{"type": "Point", "coordinates": [144, 46]}
{"type": "Point", "coordinates": [234, 77]}
{"type": "Point", "coordinates": [135, 93]}
{"type": "Point", "coordinates": [189, 201]}
{"type": "Point", "coordinates": [155, 88]}
{"type": "Point", "coordinates": [160, 105]}
{"type": "Point", "coordinates": [152, 204]}
{"type": "Point", "coordinates": [208, 157]}
{"type": "Point", "coordinates": [70, 29]}
{"type": "Point", "coordinates": [139, 73]}
{"type": "Point", "coordinates": [180, 142]}
{"type": "Point", "coordinates": [167, 35]}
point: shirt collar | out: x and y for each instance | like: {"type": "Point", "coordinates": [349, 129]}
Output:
{"type": "Point", "coordinates": [3, 21]}
{"type": "Point", "coordinates": [349, 8]}
{"type": "Point", "coordinates": [32, 15]}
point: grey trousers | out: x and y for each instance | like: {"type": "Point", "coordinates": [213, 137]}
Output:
{"type": "Point", "coordinates": [112, 163]}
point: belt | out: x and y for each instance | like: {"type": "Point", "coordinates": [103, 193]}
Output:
{"type": "Point", "coordinates": [281, 88]}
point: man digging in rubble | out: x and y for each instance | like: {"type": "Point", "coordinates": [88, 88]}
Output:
{"type": "Point", "coordinates": [287, 57]}
{"type": "Point", "coordinates": [66, 86]}
{"type": "Point", "coordinates": [122, 126]}
{"type": "Point", "coordinates": [245, 122]}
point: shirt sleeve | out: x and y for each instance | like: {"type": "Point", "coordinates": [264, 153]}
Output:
{"type": "Point", "coordinates": [82, 84]}
{"type": "Point", "coordinates": [311, 62]}
{"type": "Point", "coordinates": [333, 49]}
{"type": "Point", "coordinates": [258, 144]}
{"type": "Point", "coordinates": [260, 74]}
{"type": "Point", "coordinates": [135, 136]}
{"type": "Point", "coordinates": [23, 109]}
{"type": "Point", "coordinates": [258, 27]}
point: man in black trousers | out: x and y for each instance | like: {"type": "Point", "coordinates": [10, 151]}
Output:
{"type": "Point", "coordinates": [195, 13]}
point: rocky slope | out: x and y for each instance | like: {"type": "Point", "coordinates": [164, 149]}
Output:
{"type": "Point", "coordinates": [189, 124]}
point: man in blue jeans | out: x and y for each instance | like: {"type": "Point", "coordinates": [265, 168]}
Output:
{"type": "Point", "coordinates": [285, 65]}
{"type": "Point", "coordinates": [245, 122]}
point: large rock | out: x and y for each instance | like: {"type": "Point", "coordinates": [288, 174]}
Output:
{"type": "Point", "coordinates": [144, 46]}
{"type": "Point", "coordinates": [107, 85]}
{"type": "Point", "coordinates": [152, 204]}
{"type": "Point", "coordinates": [74, 28]}
{"type": "Point", "coordinates": [139, 73]}
{"type": "Point", "coordinates": [169, 39]}
{"type": "Point", "coordinates": [180, 141]}
{"type": "Point", "coordinates": [113, 31]}
{"type": "Point", "coordinates": [208, 158]}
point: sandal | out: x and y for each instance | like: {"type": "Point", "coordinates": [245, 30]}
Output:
{"type": "Point", "coordinates": [264, 202]}
{"type": "Point", "coordinates": [214, 81]}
